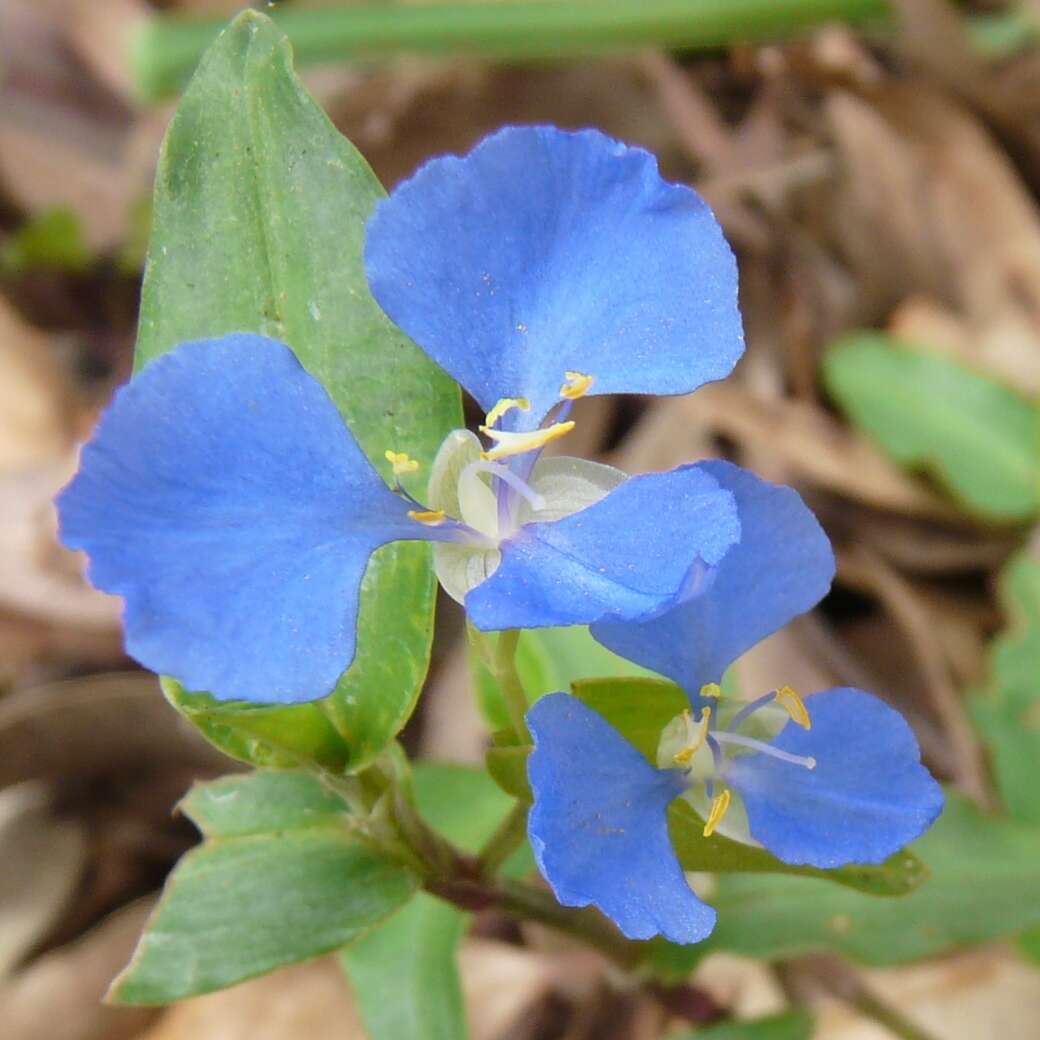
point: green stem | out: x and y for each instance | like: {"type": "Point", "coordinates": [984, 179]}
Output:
{"type": "Point", "coordinates": [508, 679]}
{"type": "Point", "coordinates": [508, 837]}
{"type": "Point", "coordinates": [167, 48]}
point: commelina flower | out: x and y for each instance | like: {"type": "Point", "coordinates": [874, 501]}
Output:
{"type": "Point", "coordinates": [826, 781]}
{"type": "Point", "coordinates": [541, 267]}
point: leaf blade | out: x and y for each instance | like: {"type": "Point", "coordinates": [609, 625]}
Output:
{"type": "Point", "coordinates": [259, 215]}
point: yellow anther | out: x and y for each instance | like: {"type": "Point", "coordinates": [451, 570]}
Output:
{"type": "Point", "coordinates": [507, 404]}
{"type": "Point", "coordinates": [719, 805]}
{"type": "Point", "coordinates": [508, 443]}
{"type": "Point", "coordinates": [577, 385]}
{"type": "Point", "coordinates": [789, 699]}
{"type": "Point", "coordinates": [401, 462]}
{"type": "Point", "coordinates": [711, 689]}
{"type": "Point", "coordinates": [430, 517]}
{"type": "Point", "coordinates": [697, 732]}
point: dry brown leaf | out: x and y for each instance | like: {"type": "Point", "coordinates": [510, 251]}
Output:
{"type": "Point", "coordinates": [500, 982]}
{"type": "Point", "coordinates": [745, 988]}
{"type": "Point", "coordinates": [36, 405]}
{"type": "Point", "coordinates": [96, 725]}
{"type": "Point", "coordinates": [39, 578]}
{"type": "Point", "coordinates": [981, 995]}
{"type": "Point", "coordinates": [307, 1000]}
{"type": "Point", "coordinates": [62, 137]}
{"type": "Point", "coordinates": [810, 447]}
{"type": "Point", "coordinates": [58, 996]}
{"type": "Point", "coordinates": [41, 864]}
{"type": "Point", "coordinates": [867, 572]}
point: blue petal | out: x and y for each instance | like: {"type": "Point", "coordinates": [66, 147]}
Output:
{"type": "Point", "coordinates": [225, 500]}
{"type": "Point", "coordinates": [543, 251]}
{"type": "Point", "coordinates": [630, 555]}
{"type": "Point", "coordinates": [781, 567]}
{"type": "Point", "coordinates": [867, 798]}
{"type": "Point", "coordinates": [599, 827]}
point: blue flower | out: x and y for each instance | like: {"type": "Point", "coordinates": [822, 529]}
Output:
{"type": "Point", "coordinates": [223, 498]}
{"type": "Point", "coordinates": [831, 780]}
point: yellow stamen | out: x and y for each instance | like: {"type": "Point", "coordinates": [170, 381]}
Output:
{"type": "Point", "coordinates": [711, 689]}
{"type": "Point", "coordinates": [789, 699]}
{"type": "Point", "coordinates": [696, 737]}
{"type": "Point", "coordinates": [719, 805]}
{"type": "Point", "coordinates": [431, 517]}
{"type": "Point", "coordinates": [577, 385]}
{"type": "Point", "coordinates": [507, 404]}
{"type": "Point", "coordinates": [508, 443]}
{"type": "Point", "coordinates": [401, 462]}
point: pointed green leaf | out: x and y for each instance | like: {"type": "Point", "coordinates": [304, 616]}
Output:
{"type": "Point", "coordinates": [259, 218]}
{"type": "Point", "coordinates": [975, 435]}
{"type": "Point", "coordinates": [279, 879]}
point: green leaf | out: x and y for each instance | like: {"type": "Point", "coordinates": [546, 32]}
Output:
{"type": "Point", "coordinates": [245, 902]}
{"type": "Point", "coordinates": [466, 806]}
{"type": "Point", "coordinates": [898, 875]}
{"type": "Point", "coordinates": [975, 435]}
{"type": "Point", "coordinates": [789, 1025]}
{"type": "Point", "coordinates": [259, 218]}
{"type": "Point", "coordinates": [262, 803]}
{"type": "Point", "coordinates": [984, 878]}
{"type": "Point", "coordinates": [272, 738]}
{"type": "Point", "coordinates": [404, 973]}
{"type": "Point", "coordinates": [1008, 716]}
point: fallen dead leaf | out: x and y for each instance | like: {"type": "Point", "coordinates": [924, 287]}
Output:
{"type": "Point", "coordinates": [58, 996]}
{"type": "Point", "coordinates": [744, 987]}
{"type": "Point", "coordinates": [810, 446]}
{"type": "Point", "coordinates": [40, 867]}
{"type": "Point", "coordinates": [307, 1000]}
{"type": "Point", "coordinates": [37, 419]}
{"type": "Point", "coordinates": [979, 995]}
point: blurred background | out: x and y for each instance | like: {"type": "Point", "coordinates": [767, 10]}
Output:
{"type": "Point", "coordinates": [875, 165]}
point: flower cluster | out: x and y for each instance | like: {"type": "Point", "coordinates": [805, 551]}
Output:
{"type": "Point", "coordinates": [542, 267]}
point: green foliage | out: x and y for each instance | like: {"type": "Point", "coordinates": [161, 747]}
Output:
{"type": "Point", "coordinates": [53, 240]}
{"type": "Point", "coordinates": [273, 738]}
{"type": "Point", "coordinates": [261, 803]}
{"type": "Point", "coordinates": [404, 973]}
{"type": "Point", "coordinates": [1008, 715]}
{"type": "Point", "coordinates": [790, 1025]}
{"type": "Point", "coordinates": [898, 875]}
{"type": "Point", "coordinates": [983, 884]}
{"type": "Point", "coordinates": [250, 899]}
{"type": "Point", "coordinates": [166, 49]}
{"type": "Point", "coordinates": [258, 224]}
{"type": "Point", "coordinates": [975, 435]}
{"type": "Point", "coordinates": [549, 659]}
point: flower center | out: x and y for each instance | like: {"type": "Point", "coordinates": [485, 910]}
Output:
{"type": "Point", "coordinates": [702, 748]}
